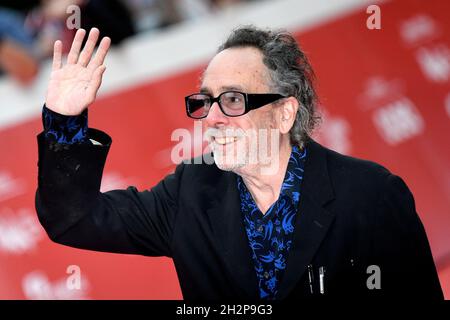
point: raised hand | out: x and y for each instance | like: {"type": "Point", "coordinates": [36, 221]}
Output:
{"type": "Point", "coordinates": [73, 87]}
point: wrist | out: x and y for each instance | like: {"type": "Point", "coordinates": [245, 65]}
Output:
{"type": "Point", "coordinates": [65, 128]}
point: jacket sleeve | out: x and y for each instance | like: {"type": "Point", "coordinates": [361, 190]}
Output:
{"type": "Point", "coordinates": [75, 213]}
{"type": "Point", "coordinates": [400, 246]}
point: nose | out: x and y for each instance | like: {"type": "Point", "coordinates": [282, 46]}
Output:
{"type": "Point", "coordinates": [215, 116]}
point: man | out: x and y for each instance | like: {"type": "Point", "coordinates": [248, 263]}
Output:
{"type": "Point", "coordinates": [299, 221]}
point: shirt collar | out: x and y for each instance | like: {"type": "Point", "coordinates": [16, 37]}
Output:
{"type": "Point", "coordinates": [292, 180]}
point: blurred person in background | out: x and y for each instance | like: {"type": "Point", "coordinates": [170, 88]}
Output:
{"type": "Point", "coordinates": [18, 56]}
{"type": "Point", "coordinates": [50, 21]}
{"type": "Point", "coordinates": [156, 14]}
{"type": "Point", "coordinates": [29, 29]}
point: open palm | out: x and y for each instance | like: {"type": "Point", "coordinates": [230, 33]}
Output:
{"type": "Point", "coordinates": [73, 87]}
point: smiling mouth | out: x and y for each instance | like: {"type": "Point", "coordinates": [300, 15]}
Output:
{"type": "Point", "coordinates": [224, 140]}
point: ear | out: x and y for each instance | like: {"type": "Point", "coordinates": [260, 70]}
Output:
{"type": "Point", "coordinates": [287, 114]}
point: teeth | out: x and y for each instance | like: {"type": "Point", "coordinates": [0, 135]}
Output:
{"type": "Point", "coordinates": [224, 140]}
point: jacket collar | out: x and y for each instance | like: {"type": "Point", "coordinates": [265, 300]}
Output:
{"type": "Point", "coordinates": [312, 224]}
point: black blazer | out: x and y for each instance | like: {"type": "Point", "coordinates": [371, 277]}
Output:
{"type": "Point", "coordinates": [352, 214]}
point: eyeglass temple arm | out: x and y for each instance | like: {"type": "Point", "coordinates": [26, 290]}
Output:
{"type": "Point", "coordinates": [255, 100]}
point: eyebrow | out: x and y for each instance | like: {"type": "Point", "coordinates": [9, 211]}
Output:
{"type": "Point", "coordinates": [223, 89]}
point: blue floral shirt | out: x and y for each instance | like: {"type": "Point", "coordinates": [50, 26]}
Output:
{"type": "Point", "coordinates": [270, 235]}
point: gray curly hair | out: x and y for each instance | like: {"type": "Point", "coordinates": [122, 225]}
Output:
{"type": "Point", "coordinates": [290, 72]}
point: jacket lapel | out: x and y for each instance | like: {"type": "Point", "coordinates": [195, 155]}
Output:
{"type": "Point", "coordinates": [226, 221]}
{"type": "Point", "coordinates": [313, 220]}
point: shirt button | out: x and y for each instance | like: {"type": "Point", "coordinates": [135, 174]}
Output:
{"type": "Point", "coordinates": [266, 275]}
{"type": "Point", "coordinates": [260, 229]}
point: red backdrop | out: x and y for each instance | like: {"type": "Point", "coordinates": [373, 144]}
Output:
{"type": "Point", "coordinates": [385, 96]}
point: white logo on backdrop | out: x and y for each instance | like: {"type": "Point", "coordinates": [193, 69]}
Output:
{"type": "Point", "coordinates": [418, 28]}
{"type": "Point", "coordinates": [398, 121]}
{"type": "Point", "coordinates": [37, 286]}
{"type": "Point", "coordinates": [10, 187]}
{"type": "Point", "coordinates": [19, 232]}
{"type": "Point", "coordinates": [378, 90]}
{"type": "Point", "coordinates": [435, 62]}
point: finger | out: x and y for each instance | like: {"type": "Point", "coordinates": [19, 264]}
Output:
{"type": "Point", "coordinates": [89, 47]}
{"type": "Point", "coordinates": [76, 46]}
{"type": "Point", "coordinates": [95, 82]}
{"type": "Point", "coordinates": [100, 55]}
{"type": "Point", "coordinates": [57, 54]}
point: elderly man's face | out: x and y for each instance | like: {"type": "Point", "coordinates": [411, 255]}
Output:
{"type": "Point", "coordinates": [240, 69]}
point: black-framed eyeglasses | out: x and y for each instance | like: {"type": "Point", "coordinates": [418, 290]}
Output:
{"type": "Point", "coordinates": [231, 103]}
